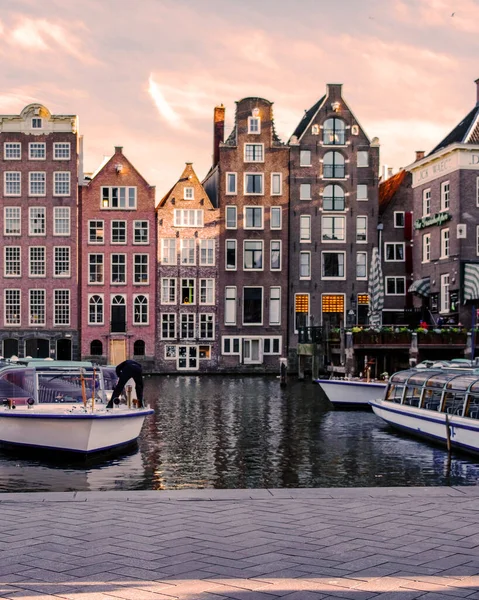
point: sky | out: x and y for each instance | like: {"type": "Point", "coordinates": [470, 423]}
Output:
{"type": "Point", "coordinates": [147, 74]}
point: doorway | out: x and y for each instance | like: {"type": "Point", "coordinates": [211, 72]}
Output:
{"type": "Point", "coordinates": [117, 351]}
{"type": "Point", "coordinates": [37, 348]}
{"type": "Point", "coordinates": [64, 349]}
{"type": "Point", "coordinates": [252, 353]}
{"type": "Point", "coordinates": [10, 348]}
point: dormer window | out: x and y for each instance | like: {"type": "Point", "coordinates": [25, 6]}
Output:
{"type": "Point", "coordinates": [189, 193]}
{"type": "Point", "coordinates": [254, 125]}
{"type": "Point", "coordinates": [37, 123]}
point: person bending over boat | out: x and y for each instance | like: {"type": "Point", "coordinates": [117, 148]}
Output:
{"type": "Point", "coordinates": [128, 369]}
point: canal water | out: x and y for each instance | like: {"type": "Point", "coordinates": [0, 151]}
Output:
{"type": "Point", "coordinates": [234, 432]}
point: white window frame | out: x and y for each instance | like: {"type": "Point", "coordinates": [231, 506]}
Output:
{"type": "Point", "coordinates": [102, 281]}
{"type": "Point", "coordinates": [180, 291]}
{"type": "Point", "coordinates": [63, 274]}
{"type": "Point", "coordinates": [58, 147]}
{"type": "Point", "coordinates": [396, 213]}
{"type": "Point", "coordinates": [254, 241]}
{"type": "Point", "coordinates": [360, 188]}
{"type": "Point", "coordinates": [189, 320]}
{"type": "Point", "coordinates": [56, 322]}
{"type": "Point", "coordinates": [305, 253]}
{"type": "Point", "coordinates": [37, 146]}
{"type": "Point", "coordinates": [56, 210]}
{"type": "Point", "coordinates": [38, 261]}
{"type": "Point", "coordinates": [171, 248]}
{"type": "Point", "coordinates": [365, 241]}
{"type": "Point", "coordinates": [188, 217]}
{"type": "Point", "coordinates": [38, 194]}
{"type": "Point", "coordinates": [255, 130]}
{"type": "Point", "coordinates": [208, 248]}
{"type": "Point", "coordinates": [102, 298]}
{"type": "Point", "coordinates": [31, 219]}
{"type": "Point", "coordinates": [9, 261]}
{"type": "Point", "coordinates": [362, 159]}
{"type": "Point", "coordinates": [426, 248]}
{"type": "Point", "coordinates": [234, 209]}
{"type": "Point", "coordinates": [333, 216]}
{"type": "Point", "coordinates": [395, 279]}
{"type": "Point", "coordinates": [90, 241]}
{"type": "Point", "coordinates": [61, 178]}
{"type": "Point", "coordinates": [329, 278]}
{"type": "Point", "coordinates": [445, 243]}
{"type": "Point", "coordinates": [106, 203]}
{"type": "Point", "coordinates": [8, 146]}
{"type": "Point", "coordinates": [235, 244]}
{"type": "Point", "coordinates": [124, 263]}
{"type": "Point", "coordinates": [123, 228]}
{"type": "Point", "coordinates": [276, 178]}
{"type": "Point", "coordinates": [136, 228]}
{"type": "Point", "coordinates": [17, 322]}
{"type": "Point", "coordinates": [254, 152]}
{"type": "Point", "coordinates": [271, 255]}
{"type": "Point", "coordinates": [426, 202]}
{"type": "Point", "coordinates": [207, 284]}
{"type": "Point", "coordinates": [445, 196]}
{"type": "Point", "coordinates": [276, 210]}
{"type": "Point", "coordinates": [303, 187]}
{"type": "Point", "coordinates": [135, 321]}
{"type": "Point", "coordinates": [301, 229]}
{"type": "Point", "coordinates": [135, 265]}
{"type": "Point", "coordinates": [245, 287]}
{"type": "Point", "coordinates": [233, 301]}
{"type": "Point", "coordinates": [31, 322]}
{"type": "Point", "coordinates": [188, 193]}
{"type": "Point", "coordinates": [307, 156]}
{"type": "Point", "coordinates": [386, 244]}
{"type": "Point", "coordinates": [276, 290]}
{"type": "Point", "coordinates": [245, 219]}
{"type": "Point", "coordinates": [18, 210]}
{"type": "Point", "coordinates": [245, 177]}
{"type": "Point", "coordinates": [203, 321]}
{"type": "Point", "coordinates": [168, 321]}
{"type": "Point", "coordinates": [167, 288]}
{"type": "Point", "coordinates": [231, 340]}
{"type": "Point", "coordinates": [19, 182]}
{"type": "Point", "coordinates": [188, 252]}
{"type": "Point", "coordinates": [230, 175]}
{"type": "Point", "coordinates": [444, 294]}
{"type": "Point", "coordinates": [364, 277]}
{"type": "Point", "coordinates": [37, 123]}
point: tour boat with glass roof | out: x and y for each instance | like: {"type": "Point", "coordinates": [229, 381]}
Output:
{"type": "Point", "coordinates": [438, 404]}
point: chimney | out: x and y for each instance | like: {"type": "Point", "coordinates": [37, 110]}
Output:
{"type": "Point", "coordinates": [477, 91]}
{"type": "Point", "coordinates": [118, 149]}
{"type": "Point", "coordinates": [218, 132]}
{"type": "Point", "coordinates": [419, 155]}
{"type": "Point", "coordinates": [390, 172]}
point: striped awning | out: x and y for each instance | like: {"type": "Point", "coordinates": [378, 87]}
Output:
{"type": "Point", "coordinates": [421, 287]}
{"type": "Point", "coordinates": [471, 282]}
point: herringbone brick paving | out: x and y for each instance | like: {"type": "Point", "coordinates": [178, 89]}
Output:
{"type": "Point", "coordinates": [391, 544]}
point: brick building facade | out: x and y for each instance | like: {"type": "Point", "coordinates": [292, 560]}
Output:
{"type": "Point", "coordinates": [118, 264]}
{"type": "Point", "coordinates": [38, 262]}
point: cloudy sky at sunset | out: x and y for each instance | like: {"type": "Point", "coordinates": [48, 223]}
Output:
{"type": "Point", "coordinates": [147, 74]}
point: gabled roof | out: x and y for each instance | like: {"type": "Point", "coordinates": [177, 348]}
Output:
{"type": "Point", "coordinates": [308, 117]}
{"type": "Point", "coordinates": [388, 189]}
{"type": "Point", "coordinates": [187, 177]}
{"type": "Point", "coordinates": [466, 132]}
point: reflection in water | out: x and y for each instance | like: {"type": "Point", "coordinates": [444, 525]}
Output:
{"type": "Point", "coordinates": [232, 432]}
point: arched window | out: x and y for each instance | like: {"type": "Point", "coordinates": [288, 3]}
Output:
{"type": "Point", "coordinates": [333, 165]}
{"type": "Point", "coordinates": [96, 348]}
{"type": "Point", "coordinates": [334, 132]}
{"type": "Point", "coordinates": [95, 314]}
{"type": "Point", "coordinates": [139, 348]}
{"type": "Point", "coordinates": [333, 197]}
{"type": "Point", "coordinates": [140, 310]}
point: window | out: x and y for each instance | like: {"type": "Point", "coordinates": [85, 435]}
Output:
{"type": "Point", "coordinates": [95, 310]}
{"type": "Point", "coordinates": [253, 217]}
{"type": "Point", "coordinates": [254, 125]}
{"type": "Point", "coordinates": [230, 255]}
{"type": "Point", "coordinates": [271, 345]}
{"type": "Point", "coordinates": [36, 151]}
{"type": "Point", "coordinates": [275, 255]}
{"type": "Point", "coordinates": [141, 232]}
{"type": "Point", "coordinates": [139, 348]}
{"type": "Point", "coordinates": [140, 310]}
{"type": "Point", "coordinates": [444, 293]}
{"type": "Point", "coordinates": [252, 306]}
{"type": "Point", "coordinates": [305, 158]}
{"type": "Point", "coordinates": [207, 326]}
{"type": "Point", "coordinates": [445, 195]}
{"type": "Point", "coordinates": [399, 219]}
{"type": "Point", "coordinates": [207, 291]}
{"type": "Point", "coordinates": [231, 183]}
{"type": "Point", "coordinates": [187, 324]}
{"type": "Point", "coordinates": [36, 220]}
{"type": "Point", "coordinates": [231, 345]}
{"type": "Point", "coordinates": [276, 184]}
{"type": "Point", "coordinates": [207, 253]}
{"type": "Point", "coordinates": [333, 265]}
{"type": "Point", "coordinates": [61, 264]}
{"type": "Point", "coordinates": [37, 123]}
{"type": "Point", "coordinates": [426, 203]}
{"type": "Point", "coordinates": [394, 252]}
{"type": "Point", "coordinates": [361, 229]}
{"type": "Point", "coordinates": [36, 261]}
{"type": "Point", "coordinates": [334, 132]}
{"type": "Point", "coordinates": [13, 265]}
{"type": "Point", "coordinates": [96, 232]}
{"type": "Point", "coordinates": [61, 150]}
{"type": "Point", "coordinates": [168, 251]}
{"type": "Point", "coordinates": [118, 197]}
{"type": "Point", "coordinates": [95, 268]}
{"type": "Point", "coordinates": [188, 217]}
{"type": "Point", "coordinates": [168, 290]}
{"type": "Point", "coordinates": [12, 220]}
{"type": "Point", "coordinates": [253, 153]}
{"type": "Point", "coordinates": [96, 348]}
{"type": "Point", "coordinates": [275, 306]}
{"type": "Point", "coordinates": [275, 222]}
{"type": "Point", "coordinates": [12, 307]}
{"type": "Point", "coordinates": [304, 228]}
{"type": "Point", "coordinates": [118, 268]}
{"type": "Point", "coordinates": [188, 193]}
{"type": "Point", "coordinates": [363, 158]}
{"type": "Point", "coordinates": [188, 291]}
{"type": "Point", "coordinates": [301, 308]}
{"type": "Point", "coordinates": [187, 251]}
{"type": "Point", "coordinates": [12, 150]}
{"type": "Point", "coordinates": [253, 255]}
{"type": "Point", "coordinates": [395, 286]}
{"type": "Point", "coordinates": [333, 165]}
{"type": "Point", "coordinates": [361, 265]}
{"type": "Point", "coordinates": [333, 198]}
{"type": "Point", "coordinates": [61, 220]}
{"type": "Point", "coordinates": [253, 184]}
{"type": "Point", "coordinates": [230, 305]}
{"type": "Point", "coordinates": [61, 183]}
{"type": "Point", "coordinates": [13, 185]}
{"type": "Point", "coordinates": [333, 229]}
{"type": "Point", "coordinates": [444, 243]}
{"type": "Point", "coordinates": [61, 313]}
{"type": "Point", "coordinates": [426, 247]}
{"type": "Point", "coordinates": [305, 191]}
{"type": "Point", "coordinates": [37, 183]}
{"type": "Point", "coordinates": [36, 307]}
{"type": "Point", "coordinates": [118, 232]}
{"type": "Point", "coordinates": [140, 265]}
{"type": "Point", "coordinates": [168, 326]}
{"type": "Point", "coordinates": [305, 265]}
{"type": "Point", "coordinates": [231, 217]}
{"type": "Point", "coordinates": [361, 192]}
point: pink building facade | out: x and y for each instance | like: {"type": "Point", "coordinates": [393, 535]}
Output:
{"type": "Point", "coordinates": [118, 264]}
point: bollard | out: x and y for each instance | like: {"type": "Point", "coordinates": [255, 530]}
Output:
{"type": "Point", "coordinates": [128, 395]}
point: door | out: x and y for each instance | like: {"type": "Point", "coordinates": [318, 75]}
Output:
{"type": "Point", "coordinates": [10, 348]}
{"type": "Point", "coordinates": [187, 358]}
{"type": "Point", "coordinates": [252, 351]}
{"type": "Point", "coordinates": [117, 351]}
{"type": "Point", "coordinates": [64, 349]}
{"type": "Point", "coordinates": [118, 315]}
{"type": "Point", "coordinates": [37, 348]}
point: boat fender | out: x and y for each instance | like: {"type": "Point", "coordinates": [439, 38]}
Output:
{"type": "Point", "coordinates": [116, 401]}
{"type": "Point", "coordinates": [30, 402]}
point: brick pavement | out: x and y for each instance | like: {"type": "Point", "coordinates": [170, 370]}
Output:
{"type": "Point", "coordinates": [310, 544]}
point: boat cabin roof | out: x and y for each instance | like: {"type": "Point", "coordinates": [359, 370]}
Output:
{"type": "Point", "coordinates": [456, 379]}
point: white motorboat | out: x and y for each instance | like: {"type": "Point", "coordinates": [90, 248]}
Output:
{"type": "Point", "coordinates": [441, 405]}
{"type": "Point", "coordinates": [350, 393]}
{"type": "Point", "coordinates": [61, 405]}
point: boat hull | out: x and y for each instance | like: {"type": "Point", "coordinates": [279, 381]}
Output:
{"type": "Point", "coordinates": [350, 394]}
{"type": "Point", "coordinates": [431, 425]}
{"type": "Point", "coordinates": [74, 431]}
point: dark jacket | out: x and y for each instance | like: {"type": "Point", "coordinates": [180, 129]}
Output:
{"type": "Point", "coordinates": [128, 364]}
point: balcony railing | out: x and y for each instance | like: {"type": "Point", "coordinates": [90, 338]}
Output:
{"type": "Point", "coordinates": [310, 335]}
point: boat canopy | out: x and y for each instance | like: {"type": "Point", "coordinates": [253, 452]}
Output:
{"type": "Point", "coordinates": [457, 379]}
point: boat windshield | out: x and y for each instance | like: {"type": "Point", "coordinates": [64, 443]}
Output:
{"type": "Point", "coordinates": [66, 385]}
{"type": "Point", "coordinates": [110, 377]}
{"type": "Point", "coordinates": [17, 384]}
